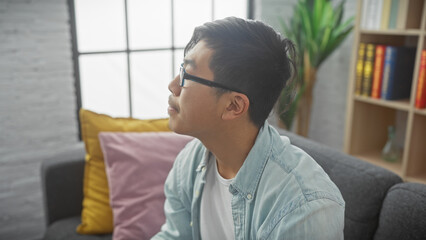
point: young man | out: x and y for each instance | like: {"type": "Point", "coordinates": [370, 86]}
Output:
{"type": "Point", "coordinates": [239, 179]}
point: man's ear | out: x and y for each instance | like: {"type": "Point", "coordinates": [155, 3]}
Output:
{"type": "Point", "coordinates": [236, 107]}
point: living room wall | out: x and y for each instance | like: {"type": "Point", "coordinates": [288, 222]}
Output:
{"type": "Point", "coordinates": [38, 101]}
{"type": "Point", "coordinates": [37, 107]}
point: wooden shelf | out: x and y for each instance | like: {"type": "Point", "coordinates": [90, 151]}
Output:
{"type": "Point", "coordinates": [374, 157]}
{"type": "Point", "coordinates": [395, 104]}
{"type": "Point", "coordinates": [419, 179]}
{"type": "Point", "coordinates": [420, 111]}
{"type": "Point", "coordinates": [407, 32]}
{"type": "Point", "coordinates": [367, 118]}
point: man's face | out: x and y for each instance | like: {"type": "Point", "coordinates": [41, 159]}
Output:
{"type": "Point", "coordinates": [194, 109]}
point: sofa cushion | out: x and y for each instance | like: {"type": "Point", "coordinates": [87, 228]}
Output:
{"type": "Point", "coordinates": [363, 185]}
{"type": "Point", "coordinates": [403, 214]}
{"type": "Point", "coordinates": [96, 216]}
{"type": "Point", "coordinates": [64, 229]}
{"type": "Point", "coordinates": [137, 166]}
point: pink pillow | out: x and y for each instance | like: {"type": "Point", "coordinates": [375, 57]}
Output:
{"type": "Point", "coordinates": [137, 165]}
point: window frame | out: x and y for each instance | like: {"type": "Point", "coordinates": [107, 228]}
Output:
{"type": "Point", "coordinates": [76, 54]}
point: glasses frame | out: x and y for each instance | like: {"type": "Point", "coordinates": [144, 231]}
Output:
{"type": "Point", "coordinates": [184, 75]}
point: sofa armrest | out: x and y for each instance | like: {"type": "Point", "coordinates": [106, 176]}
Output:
{"type": "Point", "coordinates": [403, 213]}
{"type": "Point", "coordinates": [62, 184]}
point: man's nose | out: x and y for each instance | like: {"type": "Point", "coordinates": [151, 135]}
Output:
{"type": "Point", "coordinates": [174, 87]}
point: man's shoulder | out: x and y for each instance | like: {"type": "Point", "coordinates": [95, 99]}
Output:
{"type": "Point", "coordinates": [293, 183]}
{"type": "Point", "coordinates": [300, 173]}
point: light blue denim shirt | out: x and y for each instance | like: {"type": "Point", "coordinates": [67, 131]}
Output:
{"type": "Point", "coordinates": [280, 192]}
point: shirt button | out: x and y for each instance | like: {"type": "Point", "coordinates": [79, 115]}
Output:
{"type": "Point", "coordinates": [197, 193]}
{"type": "Point", "coordinates": [190, 224]}
{"type": "Point", "coordinates": [203, 169]}
{"type": "Point", "coordinates": [249, 196]}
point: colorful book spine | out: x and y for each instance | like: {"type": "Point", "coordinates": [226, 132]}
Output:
{"type": "Point", "coordinates": [365, 14]}
{"type": "Point", "coordinates": [372, 14]}
{"type": "Point", "coordinates": [388, 68]}
{"type": "Point", "coordinates": [359, 68]}
{"type": "Point", "coordinates": [378, 71]}
{"type": "Point", "coordinates": [368, 70]}
{"type": "Point", "coordinates": [400, 74]}
{"type": "Point", "coordinates": [393, 14]}
{"type": "Point", "coordinates": [402, 14]}
{"type": "Point", "coordinates": [386, 8]}
{"type": "Point", "coordinates": [421, 88]}
{"type": "Point", "coordinates": [376, 14]}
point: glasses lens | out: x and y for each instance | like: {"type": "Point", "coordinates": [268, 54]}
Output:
{"type": "Point", "coordinates": [181, 75]}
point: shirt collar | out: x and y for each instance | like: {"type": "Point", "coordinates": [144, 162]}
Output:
{"type": "Point", "coordinates": [249, 175]}
{"type": "Point", "coordinates": [204, 160]}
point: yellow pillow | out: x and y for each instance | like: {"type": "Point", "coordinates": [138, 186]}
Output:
{"type": "Point", "coordinates": [96, 217]}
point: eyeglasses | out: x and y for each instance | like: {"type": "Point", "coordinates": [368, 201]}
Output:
{"type": "Point", "coordinates": [186, 76]}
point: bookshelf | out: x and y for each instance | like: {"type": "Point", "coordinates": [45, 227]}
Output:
{"type": "Point", "coordinates": [367, 118]}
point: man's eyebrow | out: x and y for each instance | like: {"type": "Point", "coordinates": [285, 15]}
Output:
{"type": "Point", "coordinates": [190, 62]}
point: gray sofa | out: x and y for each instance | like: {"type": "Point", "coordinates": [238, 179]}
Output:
{"type": "Point", "coordinates": [378, 204]}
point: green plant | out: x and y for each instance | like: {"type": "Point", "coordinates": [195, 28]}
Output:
{"type": "Point", "coordinates": [317, 29]}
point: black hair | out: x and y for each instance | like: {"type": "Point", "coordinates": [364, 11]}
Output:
{"type": "Point", "coordinates": [250, 56]}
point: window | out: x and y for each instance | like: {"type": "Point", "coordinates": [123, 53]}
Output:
{"type": "Point", "coordinates": [127, 51]}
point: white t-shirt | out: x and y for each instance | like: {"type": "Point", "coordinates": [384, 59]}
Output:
{"type": "Point", "coordinates": [216, 210]}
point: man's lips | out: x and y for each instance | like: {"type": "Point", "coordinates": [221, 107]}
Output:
{"type": "Point", "coordinates": [172, 105]}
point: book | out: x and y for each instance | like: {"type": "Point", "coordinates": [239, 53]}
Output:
{"type": "Point", "coordinates": [401, 21]}
{"type": "Point", "coordinates": [421, 88]}
{"type": "Point", "coordinates": [365, 14]}
{"type": "Point", "coordinates": [359, 68]}
{"type": "Point", "coordinates": [398, 72]}
{"type": "Point", "coordinates": [389, 57]}
{"type": "Point", "coordinates": [393, 14]}
{"type": "Point", "coordinates": [376, 15]}
{"type": "Point", "coordinates": [368, 69]}
{"type": "Point", "coordinates": [378, 71]}
{"type": "Point", "coordinates": [372, 14]}
{"type": "Point", "coordinates": [386, 8]}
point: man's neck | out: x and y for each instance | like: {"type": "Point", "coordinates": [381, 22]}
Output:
{"type": "Point", "coordinates": [231, 147]}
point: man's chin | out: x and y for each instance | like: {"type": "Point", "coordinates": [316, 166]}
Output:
{"type": "Point", "coordinates": [173, 125]}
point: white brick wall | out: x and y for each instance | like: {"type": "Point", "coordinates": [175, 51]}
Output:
{"type": "Point", "coordinates": [37, 106]}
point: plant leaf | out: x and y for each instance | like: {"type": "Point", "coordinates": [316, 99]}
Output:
{"type": "Point", "coordinates": [338, 12]}
{"type": "Point", "coordinates": [316, 29]}
{"type": "Point", "coordinates": [317, 15]}
{"type": "Point", "coordinates": [336, 43]}
{"type": "Point", "coordinates": [306, 24]}
{"type": "Point", "coordinates": [344, 26]}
